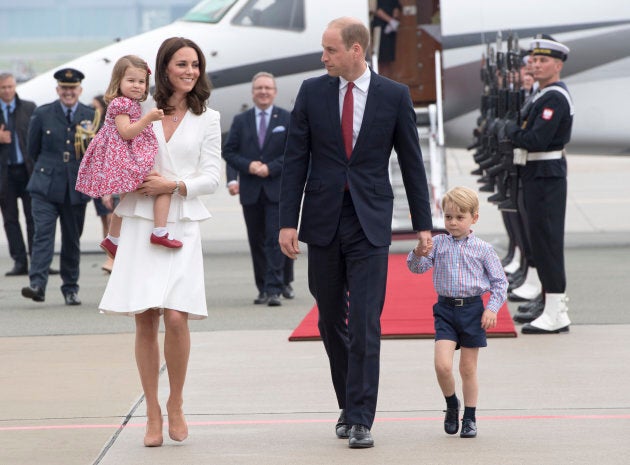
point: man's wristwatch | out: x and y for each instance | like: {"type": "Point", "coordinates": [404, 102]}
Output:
{"type": "Point", "coordinates": [176, 190]}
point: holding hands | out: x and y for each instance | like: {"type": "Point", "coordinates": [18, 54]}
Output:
{"type": "Point", "coordinates": [425, 244]}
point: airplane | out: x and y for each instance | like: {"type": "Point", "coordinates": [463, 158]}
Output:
{"type": "Point", "coordinates": [242, 37]}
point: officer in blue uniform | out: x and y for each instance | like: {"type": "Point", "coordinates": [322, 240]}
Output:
{"type": "Point", "coordinates": [57, 137]}
{"type": "Point", "coordinates": [543, 172]}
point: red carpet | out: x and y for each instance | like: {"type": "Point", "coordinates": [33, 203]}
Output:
{"type": "Point", "coordinates": [408, 311]}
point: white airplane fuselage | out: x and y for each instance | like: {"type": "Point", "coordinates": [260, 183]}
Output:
{"type": "Point", "coordinates": [597, 71]}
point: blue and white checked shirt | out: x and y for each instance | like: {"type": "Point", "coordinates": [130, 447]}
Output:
{"type": "Point", "coordinates": [463, 268]}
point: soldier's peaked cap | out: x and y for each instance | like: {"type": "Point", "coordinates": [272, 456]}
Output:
{"type": "Point", "coordinates": [546, 45]}
{"type": "Point", "coordinates": [69, 77]}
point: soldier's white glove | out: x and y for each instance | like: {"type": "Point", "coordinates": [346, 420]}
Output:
{"type": "Point", "coordinates": [392, 26]}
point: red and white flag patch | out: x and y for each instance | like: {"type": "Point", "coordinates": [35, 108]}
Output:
{"type": "Point", "coordinates": [547, 114]}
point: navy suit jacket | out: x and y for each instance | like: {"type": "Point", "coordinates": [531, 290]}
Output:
{"type": "Point", "coordinates": [241, 148]}
{"type": "Point", "coordinates": [51, 146]}
{"type": "Point", "coordinates": [23, 111]}
{"type": "Point", "coordinates": [316, 166]}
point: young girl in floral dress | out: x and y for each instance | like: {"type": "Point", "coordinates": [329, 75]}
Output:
{"type": "Point", "coordinates": [122, 154]}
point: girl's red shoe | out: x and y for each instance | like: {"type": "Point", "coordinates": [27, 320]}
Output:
{"type": "Point", "coordinates": [166, 241]}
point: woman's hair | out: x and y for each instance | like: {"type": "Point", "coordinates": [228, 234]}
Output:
{"type": "Point", "coordinates": [101, 99]}
{"type": "Point", "coordinates": [121, 66]}
{"type": "Point", "coordinates": [465, 199]}
{"type": "Point", "coordinates": [197, 97]}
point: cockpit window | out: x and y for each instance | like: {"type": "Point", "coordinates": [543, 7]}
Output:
{"type": "Point", "coordinates": [209, 11]}
{"type": "Point", "coordinates": [277, 14]}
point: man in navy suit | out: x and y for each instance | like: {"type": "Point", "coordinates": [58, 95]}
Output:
{"type": "Point", "coordinates": [15, 170]}
{"type": "Point", "coordinates": [57, 155]}
{"type": "Point", "coordinates": [255, 149]}
{"type": "Point", "coordinates": [347, 209]}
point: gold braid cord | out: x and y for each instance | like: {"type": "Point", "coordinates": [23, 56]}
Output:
{"type": "Point", "coordinates": [86, 130]}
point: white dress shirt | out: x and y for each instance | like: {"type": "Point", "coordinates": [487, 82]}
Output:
{"type": "Point", "coordinates": [361, 85]}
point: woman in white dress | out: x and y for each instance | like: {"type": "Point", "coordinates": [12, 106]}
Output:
{"type": "Point", "coordinates": [149, 281]}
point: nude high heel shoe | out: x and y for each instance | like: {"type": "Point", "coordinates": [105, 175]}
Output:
{"type": "Point", "coordinates": [177, 426]}
{"type": "Point", "coordinates": [153, 436]}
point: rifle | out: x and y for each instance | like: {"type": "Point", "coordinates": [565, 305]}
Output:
{"type": "Point", "coordinates": [500, 174]}
{"type": "Point", "coordinates": [484, 144]}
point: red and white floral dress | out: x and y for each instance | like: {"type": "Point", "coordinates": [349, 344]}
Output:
{"type": "Point", "coordinates": [112, 165]}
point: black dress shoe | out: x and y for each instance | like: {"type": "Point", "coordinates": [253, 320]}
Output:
{"type": "Point", "coordinates": [360, 437]}
{"type": "Point", "coordinates": [72, 298]}
{"type": "Point", "coordinates": [505, 261]}
{"type": "Point", "coordinates": [518, 281]}
{"type": "Point", "coordinates": [274, 300]}
{"type": "Point", "coordinates": [262, 298]}
{"type": "Point", "coordinates": [517, 298]}
{"type": "Point", "coordinates": [516, 276]}
{"type": "Point", "coordinates": [469, 429]}
{"type": "Point", "coordinates": [342, 428]}
{"type": "Point", "coordinates": [528, 306]}
{"type": "Point", "coordinates": [52, 271]}
{"type": "Point", "coordinates": [17, 270]}
{"type": "Point", "coordinates": [535, 309]}
{"type": "Point", "coordinates": [451, 420]}
{"type": "Point", "coordinates": [287, 292]}
{"type": "Point", "coordinates": [530, 329]}
{"type": "Point", "coordinates": [34, 292]}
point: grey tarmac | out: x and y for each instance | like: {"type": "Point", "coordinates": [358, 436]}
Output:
{"type": "Point", "coordinates": [68, 380]}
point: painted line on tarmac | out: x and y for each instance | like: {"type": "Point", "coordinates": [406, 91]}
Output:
{"type": "Point", "coordinates": [308, 421]}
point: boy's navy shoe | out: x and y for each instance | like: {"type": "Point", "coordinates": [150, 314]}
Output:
{"type": "Point", "coordinates": [469, 429]}
{"type": "Point", "coordinates": [451, 420]}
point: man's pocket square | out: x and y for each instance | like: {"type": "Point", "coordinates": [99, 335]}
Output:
{"type": "Point", "coordinates": [279, 129]}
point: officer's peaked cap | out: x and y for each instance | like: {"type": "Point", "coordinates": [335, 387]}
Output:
{"type": "Point", "coordinates": [546, 45]}
{"type": "Point", "coordinates": [69, 77]}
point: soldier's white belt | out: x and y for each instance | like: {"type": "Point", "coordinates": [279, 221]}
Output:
{"type": "Point", "coordinates": [537, 156]}
{"type": "Point", "coordinates": [521, 156]}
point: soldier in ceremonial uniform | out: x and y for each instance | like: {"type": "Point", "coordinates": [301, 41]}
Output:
{"type": "Point", "coordinates": [58, 134]}
{"type": "Point", "coordinates": [543, 172]}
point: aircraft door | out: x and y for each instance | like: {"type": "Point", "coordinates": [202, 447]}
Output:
{"type": "Point", "coordinates": [417, 39]}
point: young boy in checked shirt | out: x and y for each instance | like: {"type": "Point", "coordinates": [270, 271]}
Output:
{"type": "Point", "coordinates": [464, 268]}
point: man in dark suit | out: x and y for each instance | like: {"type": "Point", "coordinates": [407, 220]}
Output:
{"type": "Point", "coordinates": [54, 146]}
{"type": "Point", "coordinates": [347, 209]}
{"type": "Point", "coordinates": [15, 170]}
{"type": "Point", "coordinates": [258, 256]}
{"type": "Point", "coordinates": [255, 150]}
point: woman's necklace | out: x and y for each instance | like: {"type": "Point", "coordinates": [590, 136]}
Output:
{"type": "Point", "coordinates": [177, 117]}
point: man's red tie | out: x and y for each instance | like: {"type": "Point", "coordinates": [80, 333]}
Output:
{"type": "Point", "coordinates": [346, 119]}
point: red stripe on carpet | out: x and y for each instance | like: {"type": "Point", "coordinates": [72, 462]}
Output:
{"type": "Point", "coordinates": [408, 310]}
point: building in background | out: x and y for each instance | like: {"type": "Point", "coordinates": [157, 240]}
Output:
{"type": "Point", "coordinates": [37, 35]}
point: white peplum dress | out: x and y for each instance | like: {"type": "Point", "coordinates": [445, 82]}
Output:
{"type": "Point", "coordinates": [146, 276]}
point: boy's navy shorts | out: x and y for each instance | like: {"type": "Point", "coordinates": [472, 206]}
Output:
{"type": "Point", "coordinates": [460, 323]}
